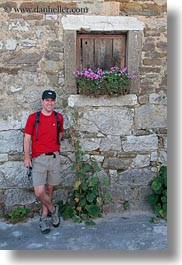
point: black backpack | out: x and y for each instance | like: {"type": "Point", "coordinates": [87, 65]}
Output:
{"type": "Point", "coordinates": [37, 121]}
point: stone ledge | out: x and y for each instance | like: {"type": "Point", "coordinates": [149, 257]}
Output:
{"type": "Point", "coordinates": [102, 101]}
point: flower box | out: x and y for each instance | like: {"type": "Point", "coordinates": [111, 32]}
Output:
{"type": "Point", "coordinates": [114, 81]}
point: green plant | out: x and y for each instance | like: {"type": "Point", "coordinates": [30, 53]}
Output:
{"type": "Point", "coordinates": [18, 214]}
{"type": "Point", "coordinates": [158, 199]}
{"type": "Point", "coordinates": [86, 199]}
{"type": "Point", "coordinates": [114, 81]}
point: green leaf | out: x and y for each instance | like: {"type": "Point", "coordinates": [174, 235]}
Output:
{"type": "Point", "coordinates": [74, 167]}
{"type": "Point", "coordinates": [84, 186]}
{"type": "Point", "coordinates": [153, 198]}
{"type": "Point", "coordinates": [159, 197]}
{"type": "Point", "coordinates": [163, 214]}
{"type": "Point", "coordinates": [157, 208]}
{"type": "Point", "coordinates": [18, 214]}
{"type": "Point", "coordinates": [85, 168]}
{"type": "Point", "coordinates": [156, 186]}
{"type": "Point", "coordinates": [153, 220]}
{"type": "Point", "coordinates": [90, 223]}
{"type": "Point", "coordinates": [108, 196]}
{"type": "Point", "coordinates": [164, 199]}
{"type": "Point", "coordinates": [91, 197]}
{"type": "Point", "coordinates": [96, 168]}
{"type": "Point", "coordinates": [163, 171]}
{"type": "Point", "coordinates": [93, 210]}
{"type": "Point", "coordinates": [106, 182]}
{"type": "Point", "coordinates": [94, 181]}
{"type": "Point", "coordinates": [76, 218]}
{"type": "Point", "coordinates": [84, 216]}
{"type": "Point", "coordinates": [83, 202]}
{"type": "Point", "coordinates": [69, 211]}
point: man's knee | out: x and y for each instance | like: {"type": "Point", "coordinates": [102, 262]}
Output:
{"type": "Point", "coordinates": [39, 191]}
{"type": "Point", "coordinates": [49, 189]}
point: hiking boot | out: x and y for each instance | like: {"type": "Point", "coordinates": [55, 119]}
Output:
{"type": "Point", "coordinates": [55, 216]}
{"type": "Point", "coordinates": [44, 226]}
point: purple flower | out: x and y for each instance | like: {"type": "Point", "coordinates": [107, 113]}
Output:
{"type": "Point", "coordinates": [123, 70]}
{"type": "Point", "coordinates": [100, 74]}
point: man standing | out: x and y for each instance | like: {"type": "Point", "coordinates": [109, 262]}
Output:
{"type": "Point", "coordinates": [43, 133]}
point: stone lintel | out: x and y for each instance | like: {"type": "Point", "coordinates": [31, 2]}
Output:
{"type": "Point", "coordinates": [101, 23]}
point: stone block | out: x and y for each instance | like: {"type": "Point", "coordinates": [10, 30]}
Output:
{"type": "Point", "coordinates": [11, 141]}
{"type": "Point", "coordinates": [51, 67]}
{"type": "Point", "coordinates": [11, 44]}
{"type": "Point", "coordinates": [90, 144]}
{"type": "Point", "coordinates": [14, 174]}
{"type": "Point", "coordinates": [28, 43]}
{"type": "Point", "coordinates": [110, 8]}
{"type": "Point", "coordinates": [151, 116]}
{"type": "Point", "coordinates": [135, 177]}
{"type": "Point", "coordinates": [122, 193]}
{"type": "Point", "coordinates": [113, 175]}
{"type": "Point", "coordinates": [163, 157]}
{"type": "Point", "coordinates": [141, 161]}
{"type": "Point", "coordinates": [154, 156]}
{"type": "Point", "coordinates": [14, 197]}
{"type": "Point", "coordinates": [67, 177]}
{"type": "Point", "coordinates": [110, 143]}
{"type": "Point", "coordinates": [98, 158]}
{"type": "Point", "coordinates": [3, 157]}
{"type": "Point", "coordinates": [140, 143]}
{"type": "Point", "coordinates": [21, 26]}
{"type": "Point", "coordinates": [1, 45]}
{"type": "Point", "coordinates": [66, 146]}
{"type": "Point", "coordinates": [113, 121]}
{"type": "Point", "coordinates": [158, 98]}
{"type": "Point", "coordinates": [116, 163]}
{"type": "Point", "coordinates": [27, 58]}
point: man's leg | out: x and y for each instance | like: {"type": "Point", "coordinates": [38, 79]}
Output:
{"type": "Point", "coordinates": [55, 211]}
{"type": "Point", "coordinates": [42, 193]}
{"type": "Point", "coordinates": [49, 190]}
{"type": "Point", "coordinates": [43, 196]}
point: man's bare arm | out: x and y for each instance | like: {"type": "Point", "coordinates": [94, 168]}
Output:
{"type": "Point", "coordinates": [27, 142]}
{"type": "Point", "coordinates": [60, 136]}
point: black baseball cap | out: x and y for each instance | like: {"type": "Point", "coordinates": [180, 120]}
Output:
{"type": "Point", "coordinates": [49, 94]}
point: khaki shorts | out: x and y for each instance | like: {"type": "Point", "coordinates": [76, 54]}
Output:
{"type": "Point", "coordinates": [46, 170]}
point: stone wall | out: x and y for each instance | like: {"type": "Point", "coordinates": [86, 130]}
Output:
{"type": "Point", "coordinates": [127, 135]}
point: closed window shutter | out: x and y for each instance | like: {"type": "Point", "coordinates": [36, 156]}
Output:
{"type": "Point", "coordinates": [101, 50]}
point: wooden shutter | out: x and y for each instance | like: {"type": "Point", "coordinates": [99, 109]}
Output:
{"type": "Point", "coordinates": [101, 50]}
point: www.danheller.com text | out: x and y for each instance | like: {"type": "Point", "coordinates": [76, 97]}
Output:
{"type": "Point", "coordinates": [47, 10]}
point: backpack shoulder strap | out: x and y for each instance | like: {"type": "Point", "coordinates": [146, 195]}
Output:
{"type": "Point", "coordinates": [37, 121]}
{"type": "Point", "coordinates": [58, 125]}
{"type": "Point", "coordinates": [56, 115]}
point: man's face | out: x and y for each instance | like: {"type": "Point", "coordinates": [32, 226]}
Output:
{"type": "Point", "coordinates": [48, 104]}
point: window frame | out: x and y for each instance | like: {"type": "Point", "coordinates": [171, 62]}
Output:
{"type": "Point", "coordinates": [72, 24]}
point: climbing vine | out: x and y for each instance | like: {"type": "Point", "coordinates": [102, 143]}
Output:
{"type": "Point", "coordinates": [87, 197]}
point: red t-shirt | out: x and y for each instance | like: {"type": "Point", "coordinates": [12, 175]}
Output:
{"type": "Point", "coordinates": [47, 133]}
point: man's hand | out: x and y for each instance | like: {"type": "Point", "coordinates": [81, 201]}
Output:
{"type": "Point", "coordinates": [28, 162]}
